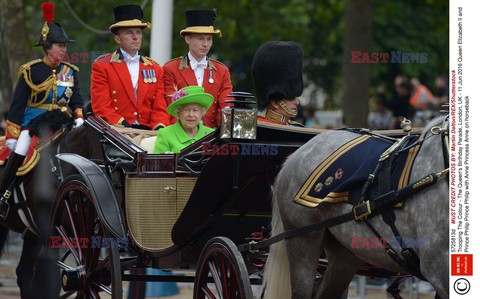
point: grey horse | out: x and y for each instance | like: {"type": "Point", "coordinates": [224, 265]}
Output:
{"type": "Point", "coordinates": [292, 264]}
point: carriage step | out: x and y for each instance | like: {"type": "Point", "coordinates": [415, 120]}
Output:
{"type": "Point", "coordinates": [128, 262]}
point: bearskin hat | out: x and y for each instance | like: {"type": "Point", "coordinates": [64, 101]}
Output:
{"type": "Point", "coordinates": [277, 72]}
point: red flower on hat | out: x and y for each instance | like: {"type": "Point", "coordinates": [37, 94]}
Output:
{"type": "Point", "coordinates": [179, 94]}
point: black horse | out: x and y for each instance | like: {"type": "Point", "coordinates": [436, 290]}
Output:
{"type": "Point", "coordinates": [37, 188]}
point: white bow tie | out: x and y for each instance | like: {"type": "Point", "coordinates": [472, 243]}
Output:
{"type": "Point", "coordinates": [195, 65]}
{"type": "Point", "coordinates": [133, 59]}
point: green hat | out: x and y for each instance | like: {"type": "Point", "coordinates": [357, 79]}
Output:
{"type": "Point", "coordinates": [190, 95]}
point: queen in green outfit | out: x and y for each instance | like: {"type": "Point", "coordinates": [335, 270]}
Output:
{"type": "Point", "coordinates": [189, 106]}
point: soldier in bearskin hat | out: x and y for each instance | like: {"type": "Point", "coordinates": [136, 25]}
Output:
{"type": "Point", "coordinates": [277, 76]}
{"type": "Point", "coordinates": [127, 88]}
{"type": "Point", "coordinates": [195, 68]}
{"type": "Point", "coordinates": [46, 93]}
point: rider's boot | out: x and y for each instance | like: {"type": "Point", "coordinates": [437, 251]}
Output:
{"type": "Point", "coordinates": [14, 162]}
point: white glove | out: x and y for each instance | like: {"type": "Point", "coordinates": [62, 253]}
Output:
{"type": "Point", "coordinates": [11, 143]}
{"type": "Point", "coordinates": [78, 122]}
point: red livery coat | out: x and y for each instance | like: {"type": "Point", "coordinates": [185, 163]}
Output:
{"type": "Point", "coordinates": [113, 96]}
{"type": "Point", "coordinates": [178, 74]}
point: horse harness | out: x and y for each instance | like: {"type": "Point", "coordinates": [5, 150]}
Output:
{"type": "Point", "coordinates": [383, 204]}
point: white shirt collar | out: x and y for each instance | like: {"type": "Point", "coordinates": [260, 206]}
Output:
{"type": "Point", "coordinates": [130, 59]}
{"type": "Point", "coordinates": [194, 63]}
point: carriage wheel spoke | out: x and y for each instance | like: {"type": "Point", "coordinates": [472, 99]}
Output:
{"type": "Point", "coordinates": [66, 295]}
{"type": "Point", "coordinates": [92, 254]}
{"type": "Point", "coordinates": [100, 265]}
{"type": "Point", "coordinates": [232, 282]}
{"type": "Point", "coordinates": [208, 292]}
{"type": "Point", "coordinates": [216, 278]}
{"type": "Point", "coordinates": [74, 228]}
{"type": "Point", "coordinates": [103, 287]}
{"type": "Point", "coordinates": [69, 244]}
{"type": "Point", "coordinates": [64, 266]}
{"type": "Point", "coordinates": [224, 276]}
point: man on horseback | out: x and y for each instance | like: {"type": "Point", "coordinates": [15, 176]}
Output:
{"type": "Point", "coordinates": [277, 75]}
{"type": "Point", "coordinates": [46, 94]}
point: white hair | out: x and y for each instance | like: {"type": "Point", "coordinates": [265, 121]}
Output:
{"type": "Point", "coordinates": [177, 109]}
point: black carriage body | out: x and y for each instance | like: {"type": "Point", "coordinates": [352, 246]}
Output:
{"type": "Point", "coordinates": [223, 194]}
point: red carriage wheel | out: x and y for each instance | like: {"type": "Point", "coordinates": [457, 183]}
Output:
{"type": "Point", "coordinates": [221, 272]}
{"type": "Point", "coordinates": [88, 267]}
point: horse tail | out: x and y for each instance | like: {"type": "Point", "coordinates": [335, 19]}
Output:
{"type": "Point", "coordinates": [3, 238]}
{"type": "Point", "coordinates": [276, 277]}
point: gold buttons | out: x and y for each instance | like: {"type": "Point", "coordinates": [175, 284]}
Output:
{"type": "Point", "coordinates": [135, 113]}
{"type": "Point", "coordinates": [116, 108]}
{"type": "Point", "coordinates": [114, 92]}
{"type": "Point", "coordinates": [114, 100]}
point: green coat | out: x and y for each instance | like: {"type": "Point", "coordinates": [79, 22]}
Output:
{"type": "Point", "coordinates": [173, 138]}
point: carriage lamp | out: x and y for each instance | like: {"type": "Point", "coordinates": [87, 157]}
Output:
{"type": "Point", "coordinates": [240, 120]}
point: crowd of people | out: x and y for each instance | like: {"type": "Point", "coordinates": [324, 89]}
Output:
{"type": "Point", "coordinates": [412, 100]}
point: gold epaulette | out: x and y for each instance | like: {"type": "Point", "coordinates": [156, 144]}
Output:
{"type": "Point", "coordinates": [100, 57]}
{"type": "Point", "coordinates": [296, 123]}
{"type": "Point", "coordinates": [148, 61]}
{"type": "Point", "coordinates": [74, 67]}
{"type": "Point", "coordinates": [27, 66]}
{"type": "Point", "coordinates": [183, 62]}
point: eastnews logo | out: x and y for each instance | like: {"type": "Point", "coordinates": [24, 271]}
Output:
{"type": "Point", "coordinates": [81, 57]}
{"type": "Point", "coordinates": [244, 149]}
{"type": "Point", "coordinates": [93, 242]}
{"type": "Point", "coordinates": [395, 242]}
{"type": "Point", "coordinates": [395, 57]}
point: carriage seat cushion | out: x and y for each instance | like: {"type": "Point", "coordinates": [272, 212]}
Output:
{"type": "Point", "coordinates": [349, 167]}
{"type": "Point", "coordinates": [143, 138]}
{"type": "Point", "coordinates": [148, 143]}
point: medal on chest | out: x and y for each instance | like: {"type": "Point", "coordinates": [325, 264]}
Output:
{"type": "Point", "coordinates": [210, 75]}
{"type": "Point", "coordinates": [149, 76]}
{"type": "Point", "coordinates": [65, 80]}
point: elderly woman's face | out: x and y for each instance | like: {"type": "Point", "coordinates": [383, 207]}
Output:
{"type": "Point", "coordinates": [190, 115]}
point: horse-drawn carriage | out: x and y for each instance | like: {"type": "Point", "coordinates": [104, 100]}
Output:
{"type": "Point", "coordinates": [124, 207]}
{"type": "Point", "coordinates": [168, 211]}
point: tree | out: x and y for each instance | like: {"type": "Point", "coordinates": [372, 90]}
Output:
{"type": "Point", "coordinates": [356, 77]}
{"type": "Point", "coordinates": [14, 46]}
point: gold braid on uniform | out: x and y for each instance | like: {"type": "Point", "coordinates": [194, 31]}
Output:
{"type": "Point", "coordinates": [46, 86]}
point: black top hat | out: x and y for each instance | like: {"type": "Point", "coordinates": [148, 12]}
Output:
{"type": "Point", "coordinates": [277, 72]}
{"type": "Point", "coordinates": [129, 15]}
{"type": "Point", "coordinates": [200, 21]}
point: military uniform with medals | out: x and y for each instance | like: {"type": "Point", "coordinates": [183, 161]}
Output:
{"type": "Point", "coordinates": [45, 94]}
